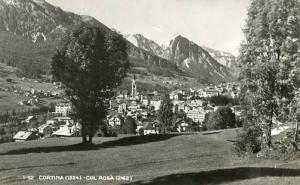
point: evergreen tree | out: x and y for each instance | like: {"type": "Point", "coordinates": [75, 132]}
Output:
{"type": "Point", "coordinates": [166, 114]}
{"type": "Point", "coordinates": [129, 126]}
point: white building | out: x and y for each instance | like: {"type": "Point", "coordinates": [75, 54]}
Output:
{"type": "Point", "coordinates": [25, 136]}
{"type": "Point", "coordinates": [63, 108]}
{"type": "Point", "coordinates": [68, 130]}
{"type": "Point", "coordinates": [114, 121]}
{"type": "Point", "coordinates": [155, 104]}
{"type": "Point", "coordinates": [196, 115]}
{"type": "Point", "coordinates": [207, 93]}
{"type": "Point", "coordinates": [197, 103]}
{"type": "Point", "coordinates": [122, 108]}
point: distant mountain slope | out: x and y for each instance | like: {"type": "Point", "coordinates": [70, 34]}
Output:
{"type": "Point", "coordinates": [31, 58]}
{"type": "Point", "coordinates": [149, 45]}
{"type": "Point", "coordinates": [40, 22]}
{"type": "Point", "coordinates": [224, 58]}
{"type": "Point", "coordinates": [44, 24]}
{"type": "Point", "coordinates": [198, 61]}
{"type": "Point", "coordinates": [37, 19]}
{"type": "Point", "coordinates": [188, 56]}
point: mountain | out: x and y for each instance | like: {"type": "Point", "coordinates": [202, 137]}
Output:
{"type": "Point", "coordinates": [31, 58]}
{"type": "Point", "coordinates": [149, 45]}
{"type": "Point", "coordinates": [189, 57]}
{"type": "Point", "coordinates": [44, 24]}
{"type": "Point", "coordinates": [225, 58]}
{"type": "Point", "coordinates": [198, 61]}
{"type": "Point", "coordinates": [38, 20]}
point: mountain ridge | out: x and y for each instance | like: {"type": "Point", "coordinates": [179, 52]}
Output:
{"type": "Point", "coordinates": [189, 56]}
{"type": "Point", "coordinates": [39, 21]}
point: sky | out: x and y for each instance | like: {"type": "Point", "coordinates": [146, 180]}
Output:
{"type": "Point", "coordinates": [213, 23]}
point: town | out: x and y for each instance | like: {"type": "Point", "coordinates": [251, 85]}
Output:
{"type": "Point", "coordinates": [140, 109]}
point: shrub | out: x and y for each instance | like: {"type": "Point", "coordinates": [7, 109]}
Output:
{"type": "Point", "coordinates": [129, 126]}
{"type": "Point", "coordinates": [222, 118]}
{"type": "Point", "coordinates": [141, 131]}
{"type": "Point", "coordinates": [203, 128]}
{"type": "Point", "coordinates": [248, 141]}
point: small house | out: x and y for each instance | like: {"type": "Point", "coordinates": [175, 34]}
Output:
{"type": "Point", "coordinates": [68, 130]}
{"type": "Point", "coordinates": [46, 130]}
{"type": "Point", "coordinates": [181, 126]}
{"type": "Point", "coordinates": [114, 121]}
{"type": "Point", "coordinates": [32, 121]}
{"type": "Point", "coordinates": [150, 128]}
{"type": "Point", "coordinates": [25, 136]}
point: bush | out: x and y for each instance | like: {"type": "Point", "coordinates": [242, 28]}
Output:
{"type": "Point", "coordinates": [202, 128]}
{"type": "Point", "coordinates": [249, 141]}
{"type": "Point", "coordinates": [129, 126]}
{"type": "Point", "coordinates": [222, 118]}
{"type": "Point", "coordinates": [141, 131]}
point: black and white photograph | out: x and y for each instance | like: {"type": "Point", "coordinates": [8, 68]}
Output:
{"type": "Point", "coordinates": [149, 92]}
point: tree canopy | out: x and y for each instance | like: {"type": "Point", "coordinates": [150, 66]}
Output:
{"type": "Point", "coordinates": [90, 64]}
{"type": "Point", "coordinates": [269, 59]}
{"type": "Point", "coordinates": [222, 118]}
{"type": "Point", "coordinates": [166, 113]}
{"type": "Point", "coordinates": [129, 126]}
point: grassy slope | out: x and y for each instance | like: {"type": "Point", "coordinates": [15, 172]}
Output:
{"type": "Point", "coordinates": [9, 101]}
{"type": "Point", "coordinates": [176, 159]}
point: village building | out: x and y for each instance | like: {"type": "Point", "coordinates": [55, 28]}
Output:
{"type": "Point", "coordinates": [114, 121]}
{"type": "Point", "coordinates": [31, 121]}
{"type": "Point", "coordinates": [181, 126]}
{"type": "Point", "coordinates": [46, 130]}
{"type": "Point", "coordinates": [139, 125]}
{"type": "Point", "coordinates": [197, 103]}
{"type": "Point", "coordinates": [150, 128]}
{"type": "Point", "coordinates": [122, 108]}
{"type": "Point", "coordinates": [144, 100]}
{"type": "Point", "coordinates": [207, 93]}
{"type": "Point", "coordinates": [156, 104]}
{"type": "Point", "coordinates": [197, 115]}
{"type": "Point", "coordinates": [237, 110]}
{"type": "Point", "coordinates": [63, 109]}
{"type": "Point", "coordinates": [69, 129]}
{"type": "Point", "coordinates": [25, 136]}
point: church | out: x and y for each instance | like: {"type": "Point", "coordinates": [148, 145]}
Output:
{"type": "Point", "coordinates": [134, 93]}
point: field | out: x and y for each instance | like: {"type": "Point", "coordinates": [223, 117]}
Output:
{"type": "Point", "coordinates": [201, 158]}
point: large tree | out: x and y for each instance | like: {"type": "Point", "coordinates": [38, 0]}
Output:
{"type": "Point", "coordinates": [90, 64]}
{"type": "Point", "coordinates": [165, 114]}
{"type": "Point", "coordinates": [267, 56]}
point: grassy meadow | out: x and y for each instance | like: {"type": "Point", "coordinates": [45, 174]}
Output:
{"type": "Point", "coordinates": [200, 158]}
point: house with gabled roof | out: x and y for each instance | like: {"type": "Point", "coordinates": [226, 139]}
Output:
{"type": "Point", "coordinates": [69, 129]}
{"type": "Point", "coordinates": [25, 136]}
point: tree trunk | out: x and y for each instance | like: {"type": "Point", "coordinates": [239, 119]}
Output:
{"type": "Point", "coordinates": [90, 139]}
{"type": "Point", "coordinates": [296, 132]}
{"type": "Point", "coordinates": [83, 135]}
{"type": "Point", "coordinates": [294, 143]}
{"type": "Point", "coordinates": [269, 134]}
